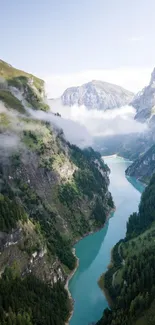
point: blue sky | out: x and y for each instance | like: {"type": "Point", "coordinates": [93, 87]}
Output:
{"type": "Point", "coordinates": [69, 42]}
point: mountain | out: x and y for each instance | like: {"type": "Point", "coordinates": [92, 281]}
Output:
{"type": "Point", "coordinates": [97, 95]}
{"type": "Point", "coordinates": [18, 87]}
{"type": "Point", "coordinates": [129, 146]}
{"type": "Point", "coordinates": [144, 102]}
{"type": "Point", "coordinates": [51, 194]}
{"type": "Point", "coordinates": [134, 146]}
{"type": "Point", "coordinates": [129, 281]}
{"type": "Point", "coordinates": [144, 166]}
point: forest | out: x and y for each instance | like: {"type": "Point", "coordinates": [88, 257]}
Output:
{"type": "Point", "coordinates": [133, 263]}
{"type": "Point", "coordinates": [29, 301]}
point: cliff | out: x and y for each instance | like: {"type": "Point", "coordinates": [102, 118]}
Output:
{"type": "Point", "coordinates": [52, 193]}
{"type": "Point", "coordinates": [144, 167]}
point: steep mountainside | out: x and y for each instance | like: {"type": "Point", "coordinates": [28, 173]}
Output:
{"type": "Point", "coordinates": [19, 89]}
{"type": "Point", "coordinates": [52, 193]}
{"type": "Point", "coordinates": [129, 282]}
{"type": "Point", "coordinates": [144, 102]}
{"type": "Point", "coordinates": [97, 95]}
{"type": "Point", "coordinates": [129, 146]}
{"type": "Point", "coordinates": [143, 167]}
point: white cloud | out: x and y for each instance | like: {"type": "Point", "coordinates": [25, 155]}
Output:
{"type": "Point", "coordinates": [74, 131]}
{"type": "Point", "coordinates": [133, 79]}
{"type": "Point", "coordinates": [100, 123]}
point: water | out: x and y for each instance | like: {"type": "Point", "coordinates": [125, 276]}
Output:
{"type": "Point", "coordinates": [94, 251]}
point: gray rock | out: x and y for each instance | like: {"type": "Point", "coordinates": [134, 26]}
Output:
{"type": "Point", "coordinates": [97, 95]}
{"type": "Point", "coordinates": [144, 102]}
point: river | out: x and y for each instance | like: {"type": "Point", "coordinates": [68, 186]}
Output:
{"type": "Point", "coordinates": [94, 251]}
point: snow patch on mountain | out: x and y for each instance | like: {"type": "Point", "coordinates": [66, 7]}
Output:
{"type": "Point", "coordinates": [97, 95]}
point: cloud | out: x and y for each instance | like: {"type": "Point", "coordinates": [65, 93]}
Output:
{"type": "Point", "coordinates": [9, 141]}
{"type": "Point", "coordinates": [101, 123]}
{"type": "Point", "coordinates": [74, 131]}
{"type": "Point", "coordinates": [136, 39]}
{"type": "Point", "coordinates": [131, 78]}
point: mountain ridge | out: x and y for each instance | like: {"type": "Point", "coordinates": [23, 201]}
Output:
{"type": "Point", "coordinates": [144, 101]}
{"type": "Point", "coordinates": [97, 94]}
{"type": "Point", "coordinates": [51, 194]}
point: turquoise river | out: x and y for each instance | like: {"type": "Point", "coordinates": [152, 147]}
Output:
{"type": "Point", "coordinates": [94, 250]}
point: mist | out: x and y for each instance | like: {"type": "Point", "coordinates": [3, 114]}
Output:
{"type": "Point", "coordinates": [9, 141]}
{"type": "Point", "coordinates": [80, 125]}
{"type": "Point", "coordinates": [74, 132]}
{"type": "Point", "coordinates": [101, 123]}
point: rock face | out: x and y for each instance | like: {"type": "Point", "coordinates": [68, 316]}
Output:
{"type": "Point", "coordinates": [144, 101]}
{"type": "Point", "coordinates": [143, 167]}
{"type": "Point", "coordinates": [62, 189]}
{"type": "Point", "coordinates": [97, 95]}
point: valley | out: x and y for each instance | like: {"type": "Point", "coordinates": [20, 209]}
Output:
{"type": "Point", "coordinates": [94, 251]}
{"type": "Point", "coordinates": [59, 195]}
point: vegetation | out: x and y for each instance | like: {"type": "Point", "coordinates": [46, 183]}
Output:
{"type": "Point", "coordinates": [11, 101]}
{"type": "Point", "coordinates": [68, 192]}
{"type": "Point", "coordinates": [99, 212]}
{"type": "Point", "coordinates": [10, 213]}
{"type": "Point", "coordinates": [32, 96]}
{"type": "Point", "coordinates": [8, 73]}
{"type": "Point", "coordinates": [4, 120]}
{"type": "Point", "coordinates": [138, 222]}
{"type": "Point", "coordinates": [31, 86]}
{"type": "Point", "coordinates": [49, 183]}
{"type": "Point", "coordinates": [130, 279]}
{"type": "Point", "coordinates": [29, 301]}
{"type": "Point", "coordinates": [88, 177]}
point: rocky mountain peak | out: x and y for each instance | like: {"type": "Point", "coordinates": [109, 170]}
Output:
{"type": "Point", "coordinates": [152, 77]}
{"type": "Point", "coordinates": [98, 95]}
{"type": "Point", "coordinates": [144, 101]}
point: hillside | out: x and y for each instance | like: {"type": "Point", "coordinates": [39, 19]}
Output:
{"type": "Point", "coordinates": [51, 194]}
{"type": "Point", "coordinates": [97, 95]}
{"type": "Point", "coordinates": [129, 146]}
{"type": "Point", "coordinates": [144, 102]}
{"type": "Point", "coordinates": [143, 167]}
{"type": "Point", "coordinates": [18, 88]}
{"type": "Point", "coordinates": [129, 282]}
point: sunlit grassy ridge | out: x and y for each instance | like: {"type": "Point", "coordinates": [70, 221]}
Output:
{"type": "Point", "coordinates": [31, 88]}
{"type": "Point", "coordinates": [11, 101]}
{"type": "Point", "coordinates": [8, 72]}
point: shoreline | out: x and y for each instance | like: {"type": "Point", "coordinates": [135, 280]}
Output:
{"type": "Point", "coordinates": [77, 262]}
{"type": "Point", "coordinates": [101, 281]}
{"type": "Point", "coordinates": [105, 290]}
{"type": "Point", "coordinates": [116, 156]}
{"type": "Point", "coordinates": [67, 286]}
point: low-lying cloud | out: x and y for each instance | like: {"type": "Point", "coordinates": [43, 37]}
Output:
{"type": "Point", "coordinates": [81, 125]}
{"type": "Point", "coordinates": [101, 123]}
{"type": "Point", "coordinates": [74, 132]}
{"type": "Point", "coordinates": [9, 141]}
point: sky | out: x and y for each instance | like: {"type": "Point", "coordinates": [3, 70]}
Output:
{"type": "Point", "coordinates": [70, 42]}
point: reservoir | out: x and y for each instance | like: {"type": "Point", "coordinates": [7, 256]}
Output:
{"type": "Point", "coordinates": [94, 250]}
